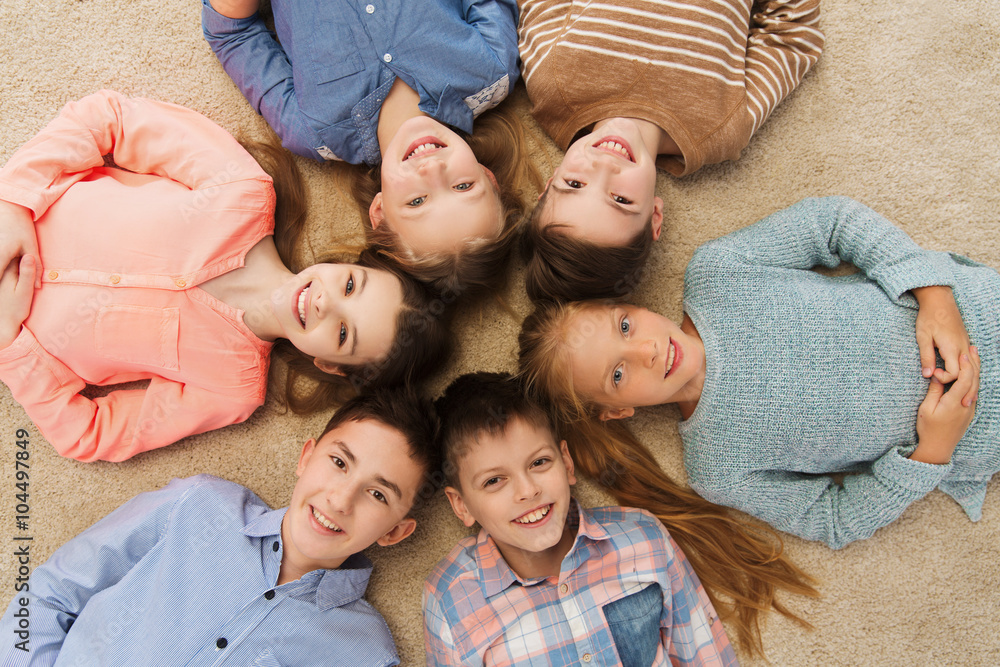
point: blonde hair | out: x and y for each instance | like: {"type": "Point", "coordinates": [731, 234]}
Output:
{"type": "Point", "coordinates": [480, 266]}
{"type": "Point", "coordinates": [741, 564]}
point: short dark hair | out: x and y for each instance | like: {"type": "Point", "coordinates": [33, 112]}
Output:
{"type": "Point", "coordinates": [402, 409]}
{"type": "Point", "coordinates": [478, 403]}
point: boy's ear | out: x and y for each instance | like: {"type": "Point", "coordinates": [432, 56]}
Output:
{"type": "Point", "coordinates": [376, 214]}
{"type": "Point", "coordinates": [657, 217]}
{"type": "Point", "coordinates": [458, 506]}
{"type": "Point", "coordinates": [307, 450]}
{"type": "Point", "coordinates": [328, 368]}
{"type": "Point", "coordinates": [567, 461]}
{"type": "Point", "coordinates": [616, 413]}
{"type": "Point", "coordinates": [398, 533]}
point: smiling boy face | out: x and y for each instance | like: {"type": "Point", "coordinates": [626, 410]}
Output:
{"type": "Point", "coordinates": [355, 488]}
{"type": "Point", "coordinates": [517, 486]}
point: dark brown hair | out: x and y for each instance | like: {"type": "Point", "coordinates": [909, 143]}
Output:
{"type": "Point", "coordinates": [562, 267]}
{"type": "Point", "coordinates": [482, 403]}
{"type": "Point", "coordinates": [740, 563]}
{"type": "Point", "coordinates": [480, 267]}
{"type": "Point", "coordinates": [421, 340]}
{"type": "Point", "coordinates": [402, 409]}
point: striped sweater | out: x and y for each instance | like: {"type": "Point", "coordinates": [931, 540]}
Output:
{"type": "Point", "coordinates": [708, 72]}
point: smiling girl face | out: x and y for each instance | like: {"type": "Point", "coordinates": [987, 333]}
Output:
{"type": "Point", "coordinates": [435, 195]}
{"type": "Point", "coordinates": [623, 357]}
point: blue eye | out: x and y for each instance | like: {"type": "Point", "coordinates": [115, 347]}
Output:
{"type": "Point", "coordinates": [416, 202]}
{"type": "Point", "coordinates": [461, 187]}
{"type": "Point", "coordinates": [616, 377]}
{"type": "Point", "coordinates": [625, 325]}
{"type": "Point", "coordinates": [343, 334]}
{"type": "Point", "coordinates": [350, 286]}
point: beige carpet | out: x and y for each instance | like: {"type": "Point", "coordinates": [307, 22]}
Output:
{"type": "Point", "coordinates": [901, 112]}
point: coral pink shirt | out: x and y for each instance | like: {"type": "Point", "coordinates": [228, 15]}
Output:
{"type": "Point", "coordinates": [122, 255]}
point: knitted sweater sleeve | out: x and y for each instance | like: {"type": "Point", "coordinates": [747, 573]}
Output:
{"type": "Point", "coordinates": [815, 507]}
{"type": "Point", "coordinates": [824, 232]}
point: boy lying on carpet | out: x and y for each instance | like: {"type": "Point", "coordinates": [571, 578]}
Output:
{"type": "Point", "coordinates": [202, 572]}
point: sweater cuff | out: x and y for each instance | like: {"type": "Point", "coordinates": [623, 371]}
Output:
{"type": "Point", "coordinates": [923, 270]}
{"type": "Point", "coordinates": [915, 477]}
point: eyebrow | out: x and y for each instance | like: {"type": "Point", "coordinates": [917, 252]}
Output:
{"type": "Point", "coordinates": [349, 455]}
{"type": "Point", "coordinates": [354, 327]}
{"type": "Point", "coordinates": [609, 368]}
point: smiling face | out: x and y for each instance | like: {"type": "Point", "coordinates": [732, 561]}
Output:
{"type": "Point", "coordinates": [339, 313]}
{"type": "Point", "coordinates": [355, 488]}
{"type": "Point", "coordinates": [623, 357]}
{"type": "Point", "coordinates": [603, 190]}
{"type": "Point", "coordinates": [517, 486]}
{"type": "Point", "coordinates": [435, 195]}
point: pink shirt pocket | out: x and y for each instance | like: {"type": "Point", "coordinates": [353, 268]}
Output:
{"type": "Point", "coordinates": [139, 335]}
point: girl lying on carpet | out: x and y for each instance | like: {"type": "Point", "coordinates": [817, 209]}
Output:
{"type": "Point", "coordinates": [382, 85]}
{"type": "Point", "coordinates": [786, 378]}
{"type": "Point", "coordinates": [166, 269]}
{"type": "Point", "coordinates": [628, 86]}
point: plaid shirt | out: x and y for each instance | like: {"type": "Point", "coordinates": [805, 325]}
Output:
{"type": "Point", "coordinates": [477, 611]}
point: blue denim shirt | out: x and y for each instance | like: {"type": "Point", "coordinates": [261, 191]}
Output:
{"type": "Point", "coordinates": [187, 575]}
{"type": "Point", "coordinates": [322, 88]}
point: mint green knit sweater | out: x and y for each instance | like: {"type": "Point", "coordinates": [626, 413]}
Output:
{"type": "Point", "coordinates": [808, 375]}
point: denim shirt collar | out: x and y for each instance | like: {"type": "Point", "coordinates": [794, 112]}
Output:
{"type": "Point", "coordinates": [326, 588]}
{"type": "Point", "coordinates": [496, 576]}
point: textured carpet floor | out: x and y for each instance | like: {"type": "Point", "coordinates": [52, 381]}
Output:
{"type": "Point", "coordinates": [901, 113]}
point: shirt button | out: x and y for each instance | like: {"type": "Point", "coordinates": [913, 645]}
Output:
{"type": "Point", "coordinates": [53, 275]}
{"type": "Point", "coordinates": [275, 546]}
{"type": "Point", "coordinates": [180, 282]}
{"type": "Point", "coordinates": [221, 642]}
{"type": "Point", "coordinates": [586, 657]}
{"type": "Point", "coordinates": [115, 279]}
{"type": "Point", "coordinates": [370, 9]}
{"type": "Point", "coordinates": [564, 588]}
{"type": "Point", "coordinates": [387, 57]}
{"type": "Point", "coordinates": [269, 595]}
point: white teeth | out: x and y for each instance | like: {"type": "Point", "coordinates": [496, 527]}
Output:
{"type": "Point", "coordinates": [302, 305]}
{"type": "Point", "coordinates": [326, 523]}
{"type": "Point", "coordinates": [421, 149]}
{"type": "Point", "coordinates": [535, 516]}
{"type": "Point", "coordinates": [670, 359]}
{"type": "Point", "coordinates": [615, 146]}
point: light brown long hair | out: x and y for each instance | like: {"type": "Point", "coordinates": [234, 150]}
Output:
{"type": "Point", "coordinates": [421, 342]}
{"type": "Point", "coordinates": [741, 564]}
{"type": "Point", "coordinates": [480, 266]}
{"type": "Point", "coordinates": [562, 267]}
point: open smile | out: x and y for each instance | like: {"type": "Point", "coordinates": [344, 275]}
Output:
{"type": "Point", "coordinates": [615, 146]}
{"type": "Point", "coordinates": [324, 521]}
{"type": "Point", "coordinates": [534, 517]}
{"type": "Point", "coordinates": [673, 358]}
{"type": "Point", "coordinates": [424, 146]}
{"type": "Point", "coordinates": [302, 304]}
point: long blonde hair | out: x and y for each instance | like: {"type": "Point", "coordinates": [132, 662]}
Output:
{"type": "Point", "coordinates": [741, 564]}
{"type": "Point", "coordinates": [480, 266]}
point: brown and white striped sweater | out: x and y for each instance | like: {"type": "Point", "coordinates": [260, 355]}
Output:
{"type": "Point", "coordinates": [708, 72]}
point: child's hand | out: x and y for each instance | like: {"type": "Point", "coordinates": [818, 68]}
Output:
{"type": "Point", "coordinates": [17, 232]}
{"type": "Point", "coordinates": [943, 417]}
{"type": "Point", "coordinates": [940, 326]}
{"type": "Point", "coordinates": [17, 288]}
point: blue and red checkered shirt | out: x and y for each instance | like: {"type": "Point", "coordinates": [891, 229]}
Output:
{"type": "Point", "coordinates": [477, 611]}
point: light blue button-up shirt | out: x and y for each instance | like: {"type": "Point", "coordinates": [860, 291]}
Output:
{"type": "Point", "coordinates": [187, 575]}
{"type": "Point", "coordinates": [322, 87]}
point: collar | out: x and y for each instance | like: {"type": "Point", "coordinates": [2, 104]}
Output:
{"type": "Point", "coordinates": [324, 588]}
{"type": "Point", "coordinates": [496, 576]}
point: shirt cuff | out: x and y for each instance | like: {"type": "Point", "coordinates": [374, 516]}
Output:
{"type": "Point", "coordinates": [214, 23]}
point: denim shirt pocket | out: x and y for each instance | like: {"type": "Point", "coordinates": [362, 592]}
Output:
{"type": "Point", "coordinates": [335, 53]}
{"type": "Point", "coordinates": [634, 622]}
{"type": "Point", "coordinates": [138, 335]}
